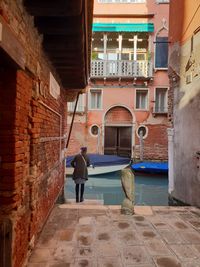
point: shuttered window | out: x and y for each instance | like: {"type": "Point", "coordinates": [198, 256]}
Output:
{"type": "Point", "coordinates": [161, 100]}
{"type": "Point", "coordinates": [95, 99]}
{"type": "Point", "coordinates": [161, 53]}
{"type": "Point", "coordinates": [80, 106]}
{"type": "Point", "coordinates": [141, 99]}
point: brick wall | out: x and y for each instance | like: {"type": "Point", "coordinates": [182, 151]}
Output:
{"type": "Point", "coordinates": [155, 144]}
{"type": "Point", "coordinates": [32, 126]}
{"type": "Point", "coordinates": [118, 115]}
{"type": "Point", "coordinates": [78, 134]}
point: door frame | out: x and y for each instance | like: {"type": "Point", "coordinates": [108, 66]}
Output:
{"type": "Point", "coordinates": [132, 125]}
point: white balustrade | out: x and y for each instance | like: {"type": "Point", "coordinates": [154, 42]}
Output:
{"type": "Point", "coordinates": [121, 68]}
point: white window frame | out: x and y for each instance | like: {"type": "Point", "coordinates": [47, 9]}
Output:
{"type": "Point", "coordinates": [80, 108]}
{"type": "Point", "coordinates": [147, 101]}
{"type": "Point", "coordinates": [93, 135]}
{"type": "Point", "coordinates": [122, 1]}
{"type": "Point", "coordinates": [147, 131]}
{"type": "Point", "coordinates": [89, 98]}
{"type": "Point", "coordinates": [166, 99]}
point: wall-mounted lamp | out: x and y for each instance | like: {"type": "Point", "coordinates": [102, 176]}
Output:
{"type": "Point", "coordinates": [145, 83]}
{"type": "Point", "coordinates": [104, 81]}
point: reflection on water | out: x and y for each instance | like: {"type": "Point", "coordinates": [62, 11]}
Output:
{"type": "Point", "coordinates": [149, 190]}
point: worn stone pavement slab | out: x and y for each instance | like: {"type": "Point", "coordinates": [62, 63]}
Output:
{"type": "Point", "coordinates": [92, 235]}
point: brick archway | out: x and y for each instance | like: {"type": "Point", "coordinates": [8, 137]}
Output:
{"type": "Point", "coordinates": [118, 115]}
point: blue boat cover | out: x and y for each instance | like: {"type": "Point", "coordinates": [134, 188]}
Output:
{"type": "Point", "coordinates": [102, 160]}
{"type": "Point", "coordinates": [151, 167]}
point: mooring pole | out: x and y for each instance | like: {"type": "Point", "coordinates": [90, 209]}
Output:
{"type": "Point", "coordinates": [141, 146]}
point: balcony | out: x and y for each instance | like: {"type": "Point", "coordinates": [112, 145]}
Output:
{"type": "Point", "coordinates": [121, 68]}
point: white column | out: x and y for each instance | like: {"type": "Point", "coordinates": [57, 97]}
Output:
{"type": "Point", "coordinates": [149, 43]}
{"type": "Point", "coordinates": [120, 54]}
{"type": "Point", "coordinates": [120, 46]}
{"type": "Point", "coordinates": [105, 46]}
{"type": "Point", "coordinates": [170, 133]}
{"type": "Point", "coordinates": [135, 39]}
{"type": "Point", "coordinates": [141, 145]}
{"type": "Point", "coordinates": [105, 54]}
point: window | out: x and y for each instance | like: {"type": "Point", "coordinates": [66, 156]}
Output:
{"type": "Point", "coordinates": [95, 99]}
{"type": "Point", "coordinates": [143, 131]}
{"type": "Point", "coordinates": [141, 99]}
{"type": "Point", "coordinates": [161, 100]}
{"type": "Point", "coordinates": [94, 130]}
{"type": "Point", "coordinates": [97, 45]}
{"type": "Point", "coordinates": [162, 1]}
{"type": "Point", "coordinates": [121, 1]}
{"type": "Point", "coordinates": [161, 52]}
{"type": "Point", "coordinates": [80, 106]}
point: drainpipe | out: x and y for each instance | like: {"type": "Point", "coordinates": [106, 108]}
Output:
{"type": "Point", "coordinates": [72, 122]}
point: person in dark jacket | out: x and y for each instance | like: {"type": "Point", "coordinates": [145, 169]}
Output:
{"type": "Point", "coordinates": [80, 175]}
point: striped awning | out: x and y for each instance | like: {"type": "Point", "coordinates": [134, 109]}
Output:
{"type": "Point", "coordinates": [123, 27]}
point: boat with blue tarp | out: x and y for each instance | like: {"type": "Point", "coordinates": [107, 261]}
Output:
{"type": "Point", "coordinates": [101, 164]}
{"type": "Point", "coordinates": [150, 167]}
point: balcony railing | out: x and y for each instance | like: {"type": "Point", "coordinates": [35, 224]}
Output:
{"type": "Point", "coordinates": [121, 68]}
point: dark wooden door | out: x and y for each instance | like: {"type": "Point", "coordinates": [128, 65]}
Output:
{"type": "Point", "coordinates": [110, 144]}
{"type": "Point", "coordinates": [124, 141]}
{"type": "Point", "coordinates": [117, 141]}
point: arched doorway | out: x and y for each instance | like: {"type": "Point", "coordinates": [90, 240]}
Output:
{"type": "Point", "coordinates": [118, 132]}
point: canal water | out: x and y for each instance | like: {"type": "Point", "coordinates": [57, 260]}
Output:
{"type": "Point", "coordinates": [149, 190]}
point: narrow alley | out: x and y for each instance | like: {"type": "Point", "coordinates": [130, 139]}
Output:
{"type": "Point", "coordinates": [101, 96]}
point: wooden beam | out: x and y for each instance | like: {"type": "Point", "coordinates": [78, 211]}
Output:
{"type": "Point", "coordinates": [54, 8]}
{"type": "Point", "coordinates": [59, 25]}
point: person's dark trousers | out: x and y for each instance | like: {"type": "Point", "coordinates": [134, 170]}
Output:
{"type": "Point", "coordinates": [82, 192]}
{"type": "Point", "coordinates": [77, 192]}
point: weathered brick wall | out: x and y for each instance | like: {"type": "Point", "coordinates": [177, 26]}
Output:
{"type": "Point", "coordinates": [118, 115]}
{"type": "Point", "coordinates": [81, 136]}
{"type": "Point", "coordinates": [155, 144]}
{"type": "Point", "coordinates": [32, 126]}
{"type": "Point", "coordinates": [78, 134]}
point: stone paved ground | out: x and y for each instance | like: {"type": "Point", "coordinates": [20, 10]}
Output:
{"type": "Point", "coordinates": [99, 236]}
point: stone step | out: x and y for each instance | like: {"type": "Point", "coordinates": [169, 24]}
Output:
{"type": "Point", "coordinates": [86, 202]}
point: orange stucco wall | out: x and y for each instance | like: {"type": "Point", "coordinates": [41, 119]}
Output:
{"type": "Point", "coordinates": [184, 19]}
{"type": "Point", "coordinates": [160, 11]}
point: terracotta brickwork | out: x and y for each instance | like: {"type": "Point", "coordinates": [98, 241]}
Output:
{"type": "Point", "coordinates": [155, 144]}
{"type": "Point", "coordinates": [32, 128]}
{"type": "Point", "coordinates": [77, 138]}
{"type": "Point", "coordinates": [118, 115]}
